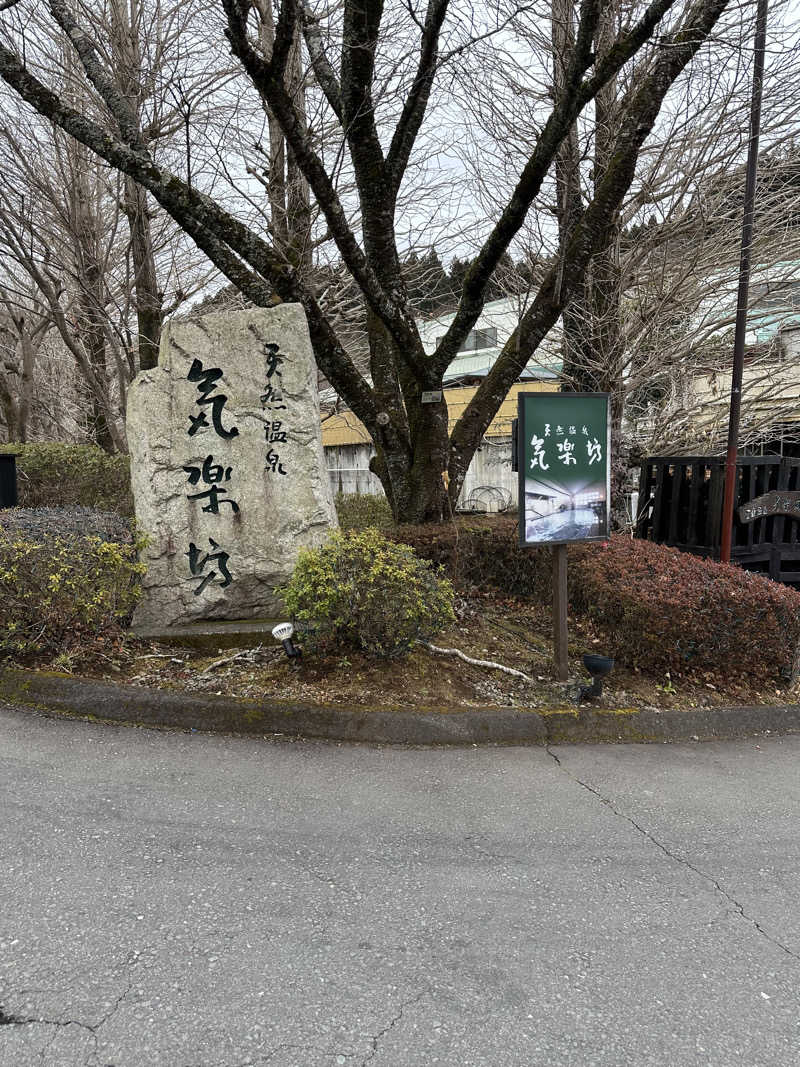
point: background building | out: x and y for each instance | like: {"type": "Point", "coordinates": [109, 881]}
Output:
{"type": "Point", "coordinates": [490, 484]}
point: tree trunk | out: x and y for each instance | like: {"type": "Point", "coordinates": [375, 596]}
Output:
{"type": "Point", "coordinates": [127, 53]}
{"type": "Point", "coordinates": [411, 438]}
{"type": "Point", "coordinates": [94, 342]}
{"type": "Point", "coordinates": [9, 409]}
{"type": "Point", "coordinates": [27, 351]}
{"type": "Point", "coordinates": [287, 188]}
{"type": "Point", "coordinates": [89, 327]}
{"type": "Point", "coordinates": [298, 194]}
{"type": "Point", "coordinates": [149, 307]}
{"type": "Point", "coordinates": [415, 487]}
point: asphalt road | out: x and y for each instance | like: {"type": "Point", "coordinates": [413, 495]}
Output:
{"type": "Point", "coordinates": [192, 901]}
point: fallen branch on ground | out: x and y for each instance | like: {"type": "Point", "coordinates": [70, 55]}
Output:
{"type": "Point", "coordinates": [475, 662]}
{"type": "Point", "coordinates": [247, 653]}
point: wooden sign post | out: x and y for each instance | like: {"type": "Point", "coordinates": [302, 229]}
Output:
{"type": "Point", "coordinates": [560, 602]}
{"type": "Point", "coordinates": [562, 455]}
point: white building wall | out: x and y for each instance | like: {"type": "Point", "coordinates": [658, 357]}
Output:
{"type": "Point", "coordinates": [490, 484]}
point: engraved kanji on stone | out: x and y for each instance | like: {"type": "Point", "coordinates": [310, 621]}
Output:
{"type": "Point", "coordinates": [273, 462]}
{"type": "Point", "coordinates": [211, 473]}
{"type": "Point", "coordinates": [274, 433]}
{"type": "Point", "coordinates": [199, 561]}
{"type": "Point", "coordinates": [207, 383]}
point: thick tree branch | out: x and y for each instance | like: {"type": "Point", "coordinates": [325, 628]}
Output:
{"type": "Point", "coordinates": [323, 71]}
{"type": "Point", "coordinates": [641, 108]}
{"type": "Point", "coordinates": [576, 95]}
{"type": "Point", "coordinates": [388, 308]}
{"type": "Point", "coordinates": [223, 238]}
{"type": "Point", "coordinates": [284, 37]}
{"type": "Point", "coordinates": [120, 108]}
{"type": "Point", "coordinates": [333, 360]}
{"type": "Point", "coordinates": [181, 200]}
{"type": "Point", "coordinates": [362, 23]}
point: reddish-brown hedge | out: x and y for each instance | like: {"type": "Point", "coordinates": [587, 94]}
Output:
{"type": "Point", "coordinates": [661, 608]}
{"type": "Point", "coordinates": [657, 608]}
{"type": "Point", "coordinates": [482, 554]}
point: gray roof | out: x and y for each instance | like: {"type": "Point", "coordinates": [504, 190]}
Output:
{"type": "Point", "coordinates": [478, 364]}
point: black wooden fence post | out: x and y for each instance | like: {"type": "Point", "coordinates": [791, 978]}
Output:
{"type": "Point", "coordinates": [8, 480]}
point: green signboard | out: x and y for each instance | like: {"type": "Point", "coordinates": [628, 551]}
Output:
{"type": "Point", "coordinates": [564, 490]}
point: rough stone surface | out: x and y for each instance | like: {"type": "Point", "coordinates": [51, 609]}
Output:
{"type": "Point", "coordinates": [206, 559]}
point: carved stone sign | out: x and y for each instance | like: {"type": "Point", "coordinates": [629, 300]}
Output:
{"type": "Point", "coordinates": [228, 473]}
{"type": "Point", "coordinates": [778, 502]}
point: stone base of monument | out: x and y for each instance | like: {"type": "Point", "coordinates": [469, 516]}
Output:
{"type": "Point", "coordinates": [213, 635]}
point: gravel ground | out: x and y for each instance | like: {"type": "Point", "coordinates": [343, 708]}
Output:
{"type": "Point", "coordinates": [41, 523]}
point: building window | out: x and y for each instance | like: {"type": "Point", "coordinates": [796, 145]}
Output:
{"type": "Point", "coordinates": [476, 339]}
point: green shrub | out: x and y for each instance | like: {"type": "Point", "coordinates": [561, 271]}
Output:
{"type": "Point", "coordinates": [56, 592]}
{"type": "Point", "coordinates": [65, 476]}
{"type": "Point", "coordinates": [362, 591]}
{"type": "Point", "coordinates": [656, 608]}
{"type": "Point", "coordinates": [357, 512]}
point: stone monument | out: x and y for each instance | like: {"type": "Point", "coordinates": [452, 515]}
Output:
{"type": "Point", "coordinates": [228, 472]}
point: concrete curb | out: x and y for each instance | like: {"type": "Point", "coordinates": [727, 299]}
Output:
{"type": "Point", "coordinates": [107, 702]}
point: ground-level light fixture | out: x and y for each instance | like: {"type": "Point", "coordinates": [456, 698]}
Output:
{"type": "Point", "coordinates": [283, 632]}
{"type": "Point", "coordinates": [598, 667]}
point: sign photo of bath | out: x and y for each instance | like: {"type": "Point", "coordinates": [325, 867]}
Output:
{"type": "Point", "coordinates": [563, 443]}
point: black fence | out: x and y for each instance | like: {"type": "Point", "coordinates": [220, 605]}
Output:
{"type": "Point", "coordinates": [8, 480]}
{"type": "Point", "coordinates": [680, 504]}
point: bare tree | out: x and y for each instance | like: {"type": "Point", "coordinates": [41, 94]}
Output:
{"type": "Point", "coordinates": [665, 283]}
{"type": "Point", "coordinates": [387, 78]}
{"type": "Point", "coordinates": [106, 263]}
{"type": "Point", "coordinates": [24, 324]}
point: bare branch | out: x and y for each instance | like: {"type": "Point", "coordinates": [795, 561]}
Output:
{"type": "Point", "coordinates": [274, 92]}
{"type": "Point", "coordinates": [576, 95]}
{"type": "Point", "coordinates": [589, 235]}
{"type": "Point", "coordinates": [323, 71]}
{"type": "Point", "coordinates": [417, 100]}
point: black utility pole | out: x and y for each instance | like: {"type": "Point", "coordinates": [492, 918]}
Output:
{"type": "Point", "coordinates": [744, 284]}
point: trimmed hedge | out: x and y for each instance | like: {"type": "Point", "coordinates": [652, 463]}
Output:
{"type": "Point", "coordinates": [358, 511]}
{"type": "Point", "coordinates": [482, 554]}
{"type": "Point", "coordinates": [657, 608]}
{"type": "Point", "coordinates": [661, 608]}
{"type": "Point", "coordinates": [66, 476]}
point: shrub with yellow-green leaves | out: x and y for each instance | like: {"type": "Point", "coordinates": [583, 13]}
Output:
{"type": "Point", "coordinates": [362, 591]}
{"type": "Point", "coordinates": [57, 592]}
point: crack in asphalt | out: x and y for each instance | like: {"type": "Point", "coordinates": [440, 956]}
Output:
{"type": "Point", "coordinates": [382, 1033]}
{"type": "Point", "coordinates": [677, 859]}
{"type": "Point", "coordinates": [16, 1020]}
{"type": "Point", "coordinates": [7, 1019]}
{"type": "Point", "coordinates": [11, 1020]}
